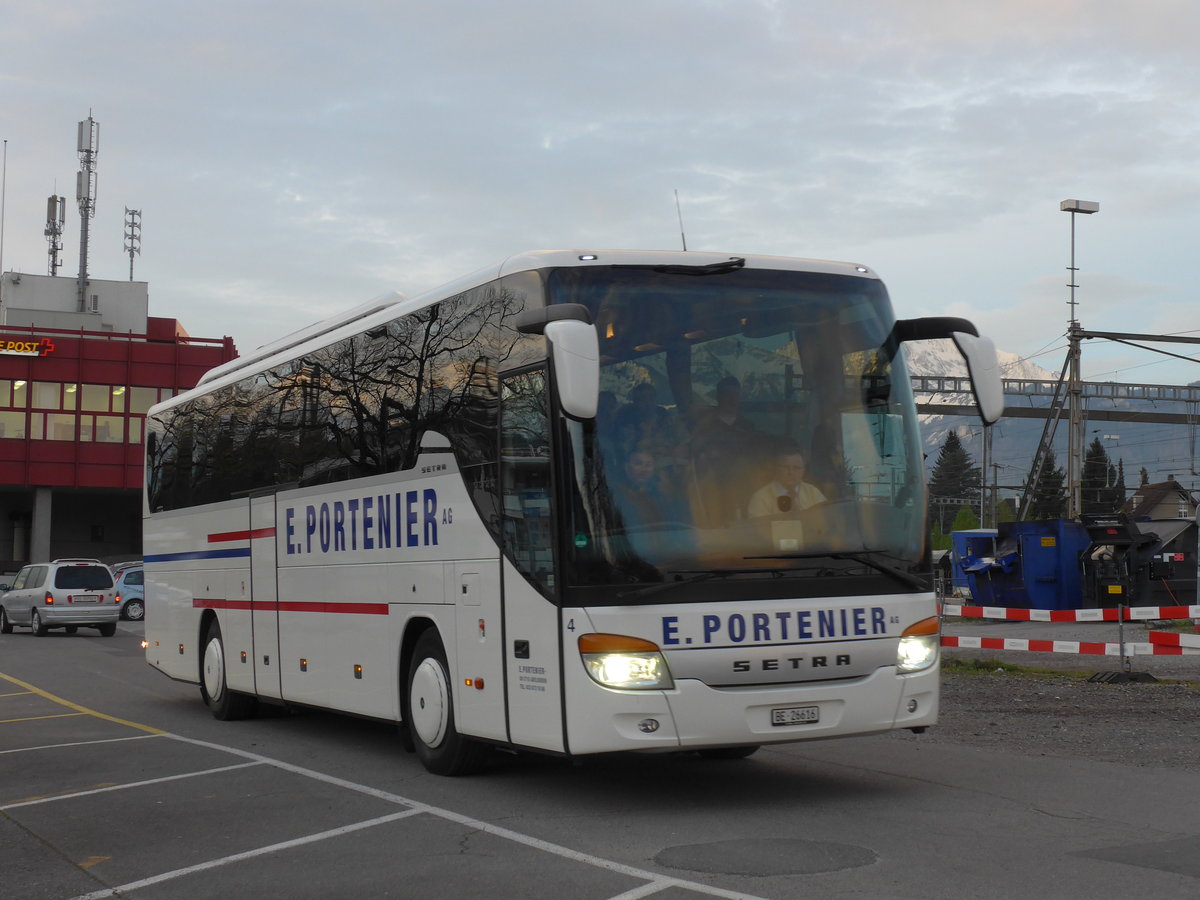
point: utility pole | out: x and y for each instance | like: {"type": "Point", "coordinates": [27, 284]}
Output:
{"type": "Point", "coordinates": [1075, 425]}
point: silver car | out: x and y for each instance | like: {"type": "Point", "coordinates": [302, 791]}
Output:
{"type": "Point", "coordinates": [131, 587]}
{"type": "Point", "coordinates": [64, 593]}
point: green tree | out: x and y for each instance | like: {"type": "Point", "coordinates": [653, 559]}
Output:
{"type": "Point", "coordinates": [1143, 477]}
{"type": "Point", "coordinates": [1049, 500]}
{"type": "Point", "coordinates": [965, 519]}
{"type": "Point", "coordinates": [1102, 487]}
{"type": "Point", "coordinates": [954, 482]}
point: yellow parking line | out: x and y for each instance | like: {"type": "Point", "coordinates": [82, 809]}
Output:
{"type": "Point", "coordinates": [81, 709]}
{"type": "Point", "coordinates": [17, 694]}
{"type": "Point", "coordinates": [36, 718]}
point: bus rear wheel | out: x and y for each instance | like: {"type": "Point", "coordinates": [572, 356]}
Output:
{"type": "Point", "coordinates": [430, 712]}
{"type": "Point", "coordinates": [223, 703]}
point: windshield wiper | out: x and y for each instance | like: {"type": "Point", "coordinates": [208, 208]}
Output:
{"type": "Point", "coordinates": [896, 574]}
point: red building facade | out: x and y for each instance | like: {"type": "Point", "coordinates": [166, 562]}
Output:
{"type": "Point", "coordinates": [72, 410]}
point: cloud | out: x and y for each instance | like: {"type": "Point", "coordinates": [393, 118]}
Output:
{"type": "Point", "coordinates": [302, 162]}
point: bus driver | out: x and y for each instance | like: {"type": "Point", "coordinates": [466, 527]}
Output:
{"type": "Point", "coordinates": [789, 492]}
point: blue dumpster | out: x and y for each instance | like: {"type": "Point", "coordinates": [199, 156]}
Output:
{"type": "Point", "coordinates": [1035, 566]}
{"type": "Point", "coordinates": [966, 546]}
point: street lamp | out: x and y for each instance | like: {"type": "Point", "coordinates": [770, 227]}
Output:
{"type": "Point", "coordinates": [1075, 382]}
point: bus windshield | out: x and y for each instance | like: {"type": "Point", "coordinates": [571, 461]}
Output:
{"type": "Point", "coordinates": [751, 422]}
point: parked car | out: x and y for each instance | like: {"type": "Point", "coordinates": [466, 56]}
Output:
{"type": "Point", "coordinates": [63, 593]}
{"type": "Point", "coordinates": [131, 589]}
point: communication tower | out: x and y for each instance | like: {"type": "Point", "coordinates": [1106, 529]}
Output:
{"type": "Point", "coordinates": [133, 235]}
{"type": "Point", "coordinates": [56, 216]}
{"type": "Point", "coordinates": [88, 146]}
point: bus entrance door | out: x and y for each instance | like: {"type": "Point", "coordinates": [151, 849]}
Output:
{"type": "Point", "coordinates": [264, 595]}
{"type": "Point", "coordinates": [532, 670]}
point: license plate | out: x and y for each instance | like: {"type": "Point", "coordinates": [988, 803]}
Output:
{"type": "Point", "coordinates": [85, 598]}
{"type": "Point", "coordinates": [795, 715]}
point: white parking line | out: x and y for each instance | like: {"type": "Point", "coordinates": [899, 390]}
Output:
{"type": "Point", "coordinates": [656, 880]}
{"type": "Point", "coordinates": [248, 854]}
{"type": "Point", "coordinates": [124, 787]}
{"type": "Point", "coordinates": [136, 737]}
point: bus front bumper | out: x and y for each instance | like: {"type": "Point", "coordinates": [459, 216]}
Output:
{"type": "Point", "coordinates": [694, 715]}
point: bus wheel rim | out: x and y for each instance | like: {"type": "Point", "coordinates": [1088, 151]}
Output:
{"type": "Point", "coordinates": [214, 669]}
{"type": "Point", "coordinates": [429, 703]}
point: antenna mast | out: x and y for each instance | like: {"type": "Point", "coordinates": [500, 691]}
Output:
{"type": "Point", "coordinates": [88, 145]}
{"type": "Point", "coordinates": [133, 235]}
{"type": "Point", "coordinates": [679, 213]}
{"type": "Point", "coordinates": [56, 216]}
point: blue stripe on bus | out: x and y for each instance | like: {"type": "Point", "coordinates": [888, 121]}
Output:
{"type": "Point", "coordinates": [198, 554]}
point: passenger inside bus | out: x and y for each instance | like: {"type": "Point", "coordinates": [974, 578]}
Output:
{"type": "Point", "coordinates": [725, 449]}
{"type": "Point", "coordinates": [644, 494]}
{"type": "Point", "coordinates": [641, 419]}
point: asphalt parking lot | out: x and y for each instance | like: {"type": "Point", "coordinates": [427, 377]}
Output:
{"type": "Point", "coordinates": [95, 806]}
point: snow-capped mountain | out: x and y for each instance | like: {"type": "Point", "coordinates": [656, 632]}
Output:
{"type": "Point", "coordinates": [932, 358]}
{"type": "Point", "coordinates": [943, 358]}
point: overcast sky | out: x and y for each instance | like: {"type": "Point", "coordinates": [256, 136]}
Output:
{"type": "Point", "coordinates": [292, 160]}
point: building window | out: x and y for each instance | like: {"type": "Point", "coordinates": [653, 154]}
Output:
{"type": "Point", "coordinates": [12, 425]}
{"type": "Point", "coordinates": [110, 429]}
{"type": "Point", "coordinates": [135, 430]}
{"type": "Point", "coordinates": [47, 395]}
{"type": "Point", "coordinates": [102, 429]}
{"type": "Point", "coordinates": [103, 398]}
{"type": "Point", "coordinates": [52, 427]}
{"type": "Point", "coordinates": [53, 395]}
{"type": "Point", "coordinates": [13, 394]}
{"type": "Point", "coordinates": [142, 398]}
{"type": "Point", "coordinates": [96, 397]}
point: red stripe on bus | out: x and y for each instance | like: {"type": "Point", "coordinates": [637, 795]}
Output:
{"type": "Point", "coordinates": [360, 609]}
{"type": "Point", "coordinates": [241, 535]}
{"type": "Point", "coordinates": [211, 603]}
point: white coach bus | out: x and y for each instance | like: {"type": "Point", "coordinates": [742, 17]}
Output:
{"type": "Point", "coordinates": [575, 503]}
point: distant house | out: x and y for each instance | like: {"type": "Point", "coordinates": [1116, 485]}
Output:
{"type": "Point", "coordinates": [1163, 500]}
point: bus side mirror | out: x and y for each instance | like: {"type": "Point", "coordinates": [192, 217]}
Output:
{"type": "Point", "coordinates": [984, 369]}
{"type": "Point", "coordinates": [978, 352]}
{"type": "Point", "coordinates": [575, 351]}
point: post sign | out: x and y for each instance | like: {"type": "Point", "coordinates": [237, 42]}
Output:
{"type": "Point", "coordinates": [43, 347]}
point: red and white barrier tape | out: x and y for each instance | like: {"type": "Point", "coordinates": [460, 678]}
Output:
{"type": "Point", "coordinates": [1132, 613]}
{"type": "Point", "coordinates": [1092, 648]}
{"type": "Point", "coordinates": [1174, 639]}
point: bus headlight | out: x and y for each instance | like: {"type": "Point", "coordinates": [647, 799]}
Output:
{"type": "Point", "coordinates": [627, 663]}
{"type": "Point", "coordinates": [919, 646]}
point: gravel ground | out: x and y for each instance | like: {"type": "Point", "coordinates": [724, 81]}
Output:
{"type": "Point", "coordinates": [1136, 724]}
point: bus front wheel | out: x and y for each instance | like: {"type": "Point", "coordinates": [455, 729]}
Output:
{"type": "Point", "coordinates": [221, 701]}
{"type": "Point", "coordinates": [439, 746]}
